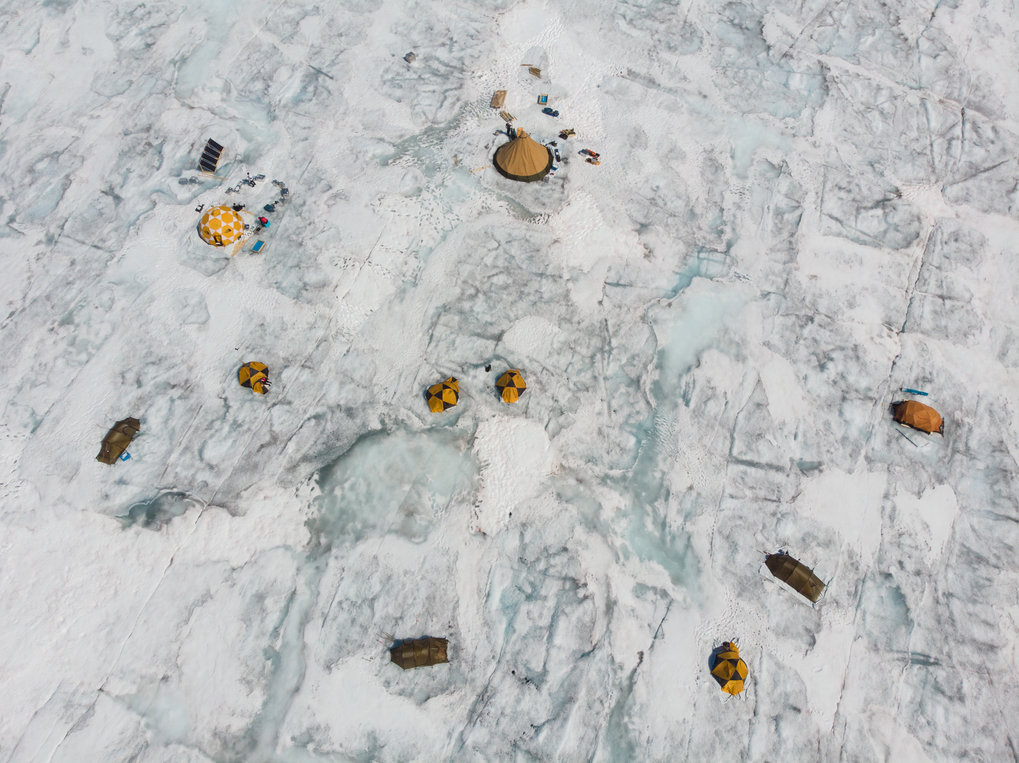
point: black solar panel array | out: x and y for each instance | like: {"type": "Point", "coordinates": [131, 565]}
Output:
{"type": "Point", "coordinates": [210, 156]}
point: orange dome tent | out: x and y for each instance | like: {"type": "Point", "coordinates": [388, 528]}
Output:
{"type": "Point", "coordinates": [919, 416]}
{"type": "Point", "coordinates": [220, 226]}
{"type": "Point", "coordinates": [523, 158]}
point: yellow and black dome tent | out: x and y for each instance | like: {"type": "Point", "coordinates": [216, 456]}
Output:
{"type": "Point", "coordinates": [220, 226]}
{"type": "Point", "coordinates": [919, 416]}
{"type": "Point", "coordinates": [419, 652]}
{"type": "Point", "coordinates": [511, 385]}
{"type": "Point", "coordinates": [523, 158]}
{"type": "Point", "coordinates": [729, 670]}
{"type": "Point", "coordinates": [443, 395]}
{"type": "Point", "coordinates": [254, 375]}
{"type": "Point", "coordinates": [795, 574]}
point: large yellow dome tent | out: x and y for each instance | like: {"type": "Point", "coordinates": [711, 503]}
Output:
{"type": "Point", "coordinates": [730, 671]}
{"type": "Point", "coordinates": [220, 226]}
{"type": "Point", "coordinates": [254, 375]}
{"type": "Point", "coordinates": [443, 395]}
{"type": "Point", "coordinates": [511, 385]}
{"type": "Point", "coordinates": [523, 158]}
{"type": "Point", "coordinates": [919, 416]}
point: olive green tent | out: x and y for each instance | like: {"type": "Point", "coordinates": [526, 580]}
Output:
{"type": "Point", "coordinates": [419, 652]}
{"type": "Point", "coordinates": [117, 440]}
{"type": "Point", "coordinates": [796, 575]}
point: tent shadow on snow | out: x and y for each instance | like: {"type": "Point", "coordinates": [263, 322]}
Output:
{"type": "Point", "coordinates": [713, 657]}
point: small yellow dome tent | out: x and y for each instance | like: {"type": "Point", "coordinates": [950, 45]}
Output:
{"type": "Point", "coordinates": [254, 375]}
{"type": "Point", "coordinates": [523, 158]}
{"type": "Point", "coordinates": [729, 670]}
{"type": "Point", "coordinates": [419, 652]}
{"type": "Point", "coordinates": [795, 574]}
{"type": "Point", "coordinates": [220, 226]}
{"type": "Point", "coordinates": [511, 385]}
{"type": "Point", "coordinates": [443, 395]}
{"type": "Point", "coordinates": [919, 416]}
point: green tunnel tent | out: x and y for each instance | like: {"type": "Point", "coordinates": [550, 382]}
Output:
{"type": "Point", "coordinates": [795, 574]}
{"type": "Point", "coordinates": [419, 652]}
{"type": "Point", "coordinates": [117, 440]}
{"type": "Point", "coordinates": [523, 158]}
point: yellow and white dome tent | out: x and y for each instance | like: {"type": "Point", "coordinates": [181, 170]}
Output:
{"type": "Point", "coordinates": [220, 226]}
{"type": "Point", "coordinates": [523, 158]}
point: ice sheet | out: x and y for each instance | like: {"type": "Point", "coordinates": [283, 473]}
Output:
{"type": "Point", "coordinates": [801, 208]}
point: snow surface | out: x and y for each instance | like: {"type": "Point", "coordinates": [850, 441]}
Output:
{"type": "Point", "coordinates": [802, 207]}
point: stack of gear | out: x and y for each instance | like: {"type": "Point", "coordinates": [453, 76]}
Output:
{"type": "Point", "coordinates": [254, 375]}
{"type": "Point", "coordinates": [443, 395]}
{"type": "Point", "coordinates": [511, 385]}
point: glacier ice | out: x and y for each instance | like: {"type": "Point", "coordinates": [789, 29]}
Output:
{"type": "Point", "coordinates": [801, 208]}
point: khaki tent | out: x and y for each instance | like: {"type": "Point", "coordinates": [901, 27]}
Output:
{"type": "Point", "coordinates": [729, 670]}
{"type": "Point", "coordinates": [117, 440]}
{"type": "Point", "coordinates": [220, 226]}
{"type": "Point", "coordinates": [511, 386]}
{"type": "Point", "coordinates": [796, 574]}
{"type": "Point", "coordinates": [443, 395]}
{"type": "Point", "coordinates": [419, 652]}
{"type": "Point", "coordinates": [919, 416]}
{"type": "Point", "coordinates": [523, 158]}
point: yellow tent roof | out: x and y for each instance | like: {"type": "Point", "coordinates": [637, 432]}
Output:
{"type": "Point", "coordinates": [511, 385]}
{"type": "Point", "coordinates": [523, 158]}
{"type": "Point", "coordinates": [730, 671]}
{"type": "Point", "coordinates": [254, 375]}
{"type": "Point", "coordinates": [220, 226]}
{"type": "Point", "coordinates": [443, 395]}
